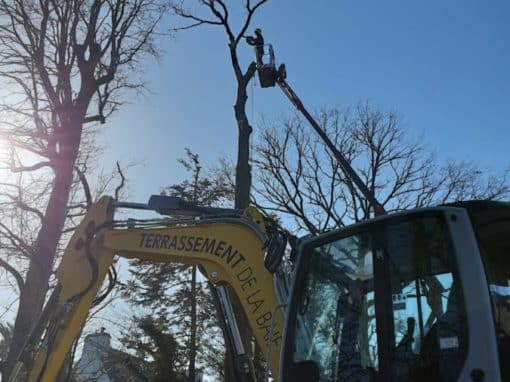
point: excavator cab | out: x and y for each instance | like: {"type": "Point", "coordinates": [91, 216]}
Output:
{"type": "Point", "coordinates": [422, 295]}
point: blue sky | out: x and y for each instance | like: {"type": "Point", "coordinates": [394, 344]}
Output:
{"type": "Point", "coordinates": [442, 66]}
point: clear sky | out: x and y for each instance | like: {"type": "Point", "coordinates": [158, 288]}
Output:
{"type": "Point", "coordinates": [443, 66]}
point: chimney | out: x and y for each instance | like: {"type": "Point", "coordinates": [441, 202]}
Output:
{"type": "Point", "coordinates": [90, 366]}
{"type": "Point", "coordinates": [99, 342]}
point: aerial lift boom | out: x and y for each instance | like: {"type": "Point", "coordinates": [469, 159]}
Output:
{"type": "Point", "coordinates": [269, 76]}
{"type": "Point", "coordinates": [344, 163]}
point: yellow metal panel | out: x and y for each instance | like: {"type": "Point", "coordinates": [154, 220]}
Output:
{"type": "Point", "coordinates": [230, 253]}
{"type": "Point", "coordinates": [74, 275]}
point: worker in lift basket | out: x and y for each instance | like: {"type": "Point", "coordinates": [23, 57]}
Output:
{"type": "Point", "coordinates": [258, 43]}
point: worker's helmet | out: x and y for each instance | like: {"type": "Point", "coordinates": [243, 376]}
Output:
{"type": "Point", "coordinates": [258, 31]}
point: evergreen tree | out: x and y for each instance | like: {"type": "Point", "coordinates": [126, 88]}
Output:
{"type": "Point", "coordinates": [5, 340]}
{"type": "Point", "coordinates": [151, 341]}
{"type": "Point", "coordinates": [177, 295]}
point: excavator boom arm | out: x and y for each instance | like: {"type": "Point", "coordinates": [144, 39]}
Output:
{"type": "Point", "coordinates": [229, 250]}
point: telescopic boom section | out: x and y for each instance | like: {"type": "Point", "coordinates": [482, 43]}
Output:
{"type": "Point", "coordinates": [280, 78]}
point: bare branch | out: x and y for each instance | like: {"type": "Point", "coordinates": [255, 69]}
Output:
{"type": "Point", "coordinates": [181, 12]}
{"type": "Point", "coordinates": [25, 207]}
{"type": "Point", "coordinates": [298, 177]}
{"type": "Point", "coordinates": [95, 118]}
{"type": "Point", "coordinates": [17, 241]}
{"type": "Point", "coordinates": [121, 185]}
{"type": "Point", "coordinates": [86, 187]}
{"type": "Point", "coordinates": [17, 276]}
{"type": "Point", "coordinates": [33, 167]}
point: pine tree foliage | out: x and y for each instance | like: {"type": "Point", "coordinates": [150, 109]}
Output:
{"type": "Point", "coordinates": [152, 342]}
{"type": "Point", "coordinates": [5, 340]}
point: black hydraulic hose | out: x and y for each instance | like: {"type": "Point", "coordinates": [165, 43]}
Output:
{"type": "Point", "coordinates": [40, 325]}
{"type": "Point", "coordinates": [112, 275]}
{"type": "Point", "coordinates": [91, 231]}
{"type": "Point", "coordinates": [112, 281]}
{"type": "Point", "coordinates": [344, 163]}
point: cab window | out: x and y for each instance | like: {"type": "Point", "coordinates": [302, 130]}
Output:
{"type": "Point", "coordinates": [337, 323]}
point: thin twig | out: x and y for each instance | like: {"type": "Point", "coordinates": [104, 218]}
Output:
{"type": "Point", "coordinates": [122, 182]}
{"type": "Point", "coordinates": [85, 184]}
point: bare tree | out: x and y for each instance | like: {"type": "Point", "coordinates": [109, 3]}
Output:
{"type": "Point", "coordinates": [218, 13]}
{"type": "Point", "coordinates": [299, 178]}
{"type": "Point", "coordinates": [63, 64]}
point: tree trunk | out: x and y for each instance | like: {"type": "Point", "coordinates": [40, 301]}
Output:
{"type": "Point", "coordinates": [33, 294]}
{"type": "Point", "coordinates": [242, 196]}
{"type": "Point", "coordinates": [243, 168]}
{"type": "Point", "coordinates": [193, 335]}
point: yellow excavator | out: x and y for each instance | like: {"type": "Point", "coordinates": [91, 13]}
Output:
{"type": "Point", "coordinates": [421, 295]}
{"type": "Point", "coordinates": [234, 248]}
